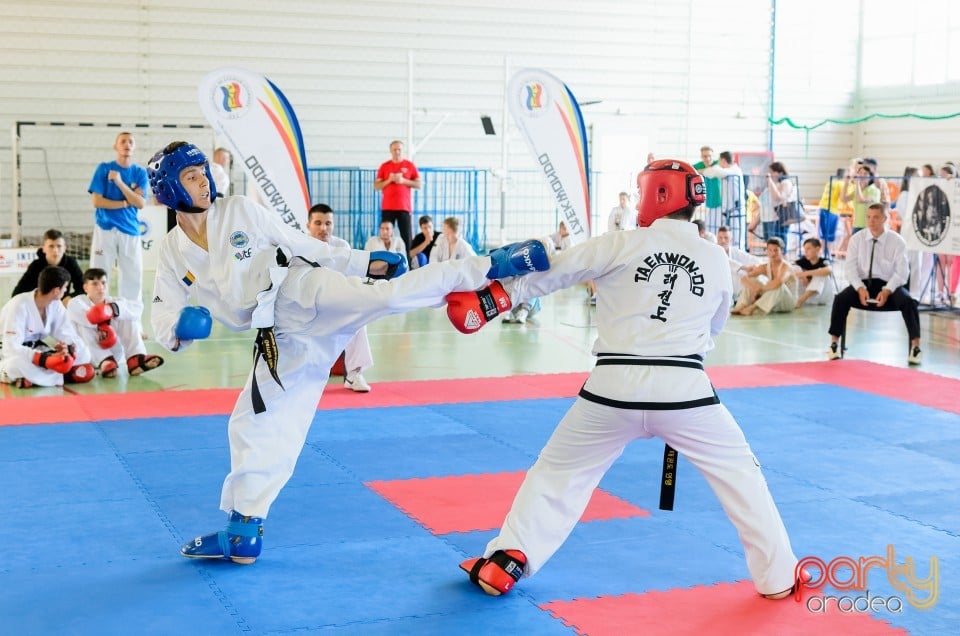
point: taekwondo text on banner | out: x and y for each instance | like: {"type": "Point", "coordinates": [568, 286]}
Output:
{"type": "Point", "coordinates": [262, 130]}
{"type": "Point", "coordinates": [931, 221]}
{"type": "Point", "coordinates": [547, 113]}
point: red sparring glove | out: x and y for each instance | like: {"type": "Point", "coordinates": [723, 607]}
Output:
{"type": "Point", "coordinates": [104, 312]}
{"type": "Point", "coordinates": [106, 336]}
{"type": "Point", "coordinates": [468, 311]}
{"type": "Point", "coordinates": [60, 362]}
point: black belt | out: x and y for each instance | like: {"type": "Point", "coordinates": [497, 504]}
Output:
{"type": "Point", "coordinates": [668, 475]}
{"type": "Point", "coordinates": [693, 361]}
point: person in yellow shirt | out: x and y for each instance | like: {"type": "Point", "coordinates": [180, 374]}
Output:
{"type": "Point", "coordinates": [754, 240]}
{"type": "Point", "coordinates": [848, 192]}
{"type": "Point", "coordinates": [830, 210]}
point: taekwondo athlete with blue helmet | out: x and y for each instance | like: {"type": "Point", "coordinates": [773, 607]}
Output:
{"type": "Point", "coordinates": [233, 261]}
{"type": "Point", "coordinates": [663, 293]}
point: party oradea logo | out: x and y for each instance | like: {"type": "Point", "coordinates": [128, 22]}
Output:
{"type": "Point", "coordinates": [852, 577]}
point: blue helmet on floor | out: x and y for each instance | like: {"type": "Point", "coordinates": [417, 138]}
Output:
{"type": "Point", "coordinates": [164, 173]}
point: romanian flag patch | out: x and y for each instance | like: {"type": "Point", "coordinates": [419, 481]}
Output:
{"type": "Point", "coordinates": [189, 278]}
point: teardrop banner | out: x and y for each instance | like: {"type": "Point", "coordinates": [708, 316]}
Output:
{"type": "Point", "coordinates": [547, 113]}
{"type": "Point", "coordinates": [261, 129]}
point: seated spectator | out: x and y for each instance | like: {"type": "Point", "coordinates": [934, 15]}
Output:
{"type": "Point", "coordinates": [561, 238]}
{"type": "Point", "coordinates": [385, 241]}
{"type": "Point", "coordinates": [876, 268]}
{"type": "Point", "coordinates": [52, 253]}
{"type": "Point", "coordinates": [702, 231]}
{"type": "Point", "coordinates": [25, 359]}
{"type": "Point", "coordinates": [520, 313]}
{"type": "Point", "coordinates": [768, 287]}
{"type": "Point", "coordinates": [423, 243]}
{"type": "Point", "coordinates": [451, 247]}
{"type": "Point", "coordinates": [813, 276]}
{"type": "Point", "coordinates": [110, 327]}
{"type": "Point", "coordinates": [739, 259]}
{"type": "Point", "coordinates": [356, 354]}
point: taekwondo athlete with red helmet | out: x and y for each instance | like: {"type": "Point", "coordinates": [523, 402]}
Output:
{"type": "Point", "coordinates": [662, 293]}
{"type": "Point", "coordinates": [242, 266]}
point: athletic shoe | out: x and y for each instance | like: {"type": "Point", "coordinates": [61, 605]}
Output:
{"type": "Point", "coordinates": [355, 382]}
{"type": "Point", "coordinates": [535, 307]}
{"type": "Point", "coordinates": [833, 353]}
{"type": "Point", "coordinates": [915, 357]}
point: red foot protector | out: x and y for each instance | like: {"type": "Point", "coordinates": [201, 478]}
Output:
{"type": "Point", "coordinates": [496, 575]}
{"type": "Point", "coordinates": [725, 608]}
{"type": "Point", "coordinates": [464, 503]}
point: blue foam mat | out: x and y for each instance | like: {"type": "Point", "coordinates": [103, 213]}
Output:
{"type": "Point", "coordinates": [97, 513]}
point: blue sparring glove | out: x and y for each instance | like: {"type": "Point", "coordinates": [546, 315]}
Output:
{"type": "Point", "coordinates": [518, 259]}
{"type": "Point", "coordinates": [194, 323]}
{"type": "Point", "coordinates": [396, 263]}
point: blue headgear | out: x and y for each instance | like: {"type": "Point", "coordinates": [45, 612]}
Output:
{"type": "Point", "coordinates": [164, 173]}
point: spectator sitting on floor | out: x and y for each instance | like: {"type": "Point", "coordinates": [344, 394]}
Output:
{"type": "Point", "coordinates": [110, 327]}
{"type": "Point", "coordinates": [385, 241]}
{"type": "Point", "coordinates": [522, 311]}
{"type": "Point", "coordinates": [702, 230]}
{"type": "Point", "coordinates": [739, 259]}
{"type": "Point", "coordinates": [813, 275]}
{"type": "Point", "coordinates": [768, 287]}
{"type": "Point", "coordinates": [423, 243]}
{"type": "Point", "coordinates": [450, 246]}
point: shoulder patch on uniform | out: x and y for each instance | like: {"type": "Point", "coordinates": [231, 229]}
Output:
{"type": "Point", "coordinates": [239, 239]}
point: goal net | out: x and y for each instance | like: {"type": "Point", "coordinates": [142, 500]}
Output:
{"type": "Point", "coordinates": [53, 163]}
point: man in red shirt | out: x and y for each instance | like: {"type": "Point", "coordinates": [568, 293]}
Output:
{"type": "Point", "coordinates": [395, 178]}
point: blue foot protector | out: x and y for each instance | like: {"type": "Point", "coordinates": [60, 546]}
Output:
{"type": "Point", "coordinates": [241, 542]}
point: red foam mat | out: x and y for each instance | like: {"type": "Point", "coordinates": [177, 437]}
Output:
{"type": "Point", "coordinates": [915, 386]}
{"type": "Point", "coordinates": [725, 608]}
{"type": "Point", "coordinates": [464, 503]}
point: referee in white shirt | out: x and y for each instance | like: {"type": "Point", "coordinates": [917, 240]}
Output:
{"type": "Point", "coordinates": [877, 269]}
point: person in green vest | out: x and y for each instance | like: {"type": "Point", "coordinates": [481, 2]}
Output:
{"type": "Point", "coordinates": [714, 198]}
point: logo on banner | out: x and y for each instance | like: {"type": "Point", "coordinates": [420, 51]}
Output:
{"type": "Point", "coordinates": [931, 216]}
{"type": "Point", "coordinates": [534, 98]}
{"type": "Point", "coordinates": [231, 98]}
{"type": "Point", "coordinates": [144, 228]}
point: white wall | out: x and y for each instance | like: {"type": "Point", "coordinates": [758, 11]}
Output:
{"type": "Point", "coordinates": [901, 142]}
{"type": "Point", "coordinates": [688, 72]}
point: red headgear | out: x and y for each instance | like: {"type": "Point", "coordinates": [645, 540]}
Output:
{"type": "Point", "coordinates": [666, 186]}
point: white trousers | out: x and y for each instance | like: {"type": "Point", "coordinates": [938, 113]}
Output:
{"type": "Point", "coordinates": [317, 312]}
{"type": "Point", "coordinates": [14, 367]}
{"type": "Point", "coordinates": [591, 436]}
{"type": "Point", "coordinates": [357, 354]}
{"type": "Point", "coordinates": [823, 288]}
{"type": "Point", "coordinates": [129, 342]}
{"type": "Point", "coordinates": [113, 246]}
{"type": "Point", "coordinates": [779, 300]}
